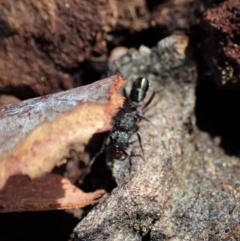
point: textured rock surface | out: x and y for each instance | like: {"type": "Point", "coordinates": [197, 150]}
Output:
{"type": "Point", "coordinates": [43, 42]}
{"type": "Point", "coordinates": [177, 15]}
{"type": "Point", "coordinates": [187, 189]}
{"type": "Point", "coordinates": [221, 34]}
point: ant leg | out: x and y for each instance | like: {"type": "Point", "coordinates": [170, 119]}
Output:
{"type": "Point", "coordinates": [96, 155]}
{"type": "Point", "coordinates": [142, 117]}
{"type": "Point", "coordinates": [125, 153]}
{"type": "Point", "coordinates": [99, 152]}
{"type": "Point", "coordinates": [150, 100]}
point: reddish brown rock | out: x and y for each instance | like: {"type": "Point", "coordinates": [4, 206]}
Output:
{"type": "Point", "coordinates": [221, 35]}
{"type": "Point", "coordinates": [175, 15]}
{"type": "Point", "coordinates": [43, 43]}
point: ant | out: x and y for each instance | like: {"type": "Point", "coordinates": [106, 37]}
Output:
{"type": "Point", "coordinates": [126, 123]}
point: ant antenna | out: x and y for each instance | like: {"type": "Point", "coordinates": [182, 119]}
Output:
{"type": "Point", "coordinates": [150, 100]}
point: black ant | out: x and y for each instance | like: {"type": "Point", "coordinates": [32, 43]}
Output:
{"type": "Point", "coordinates": [126, 123]}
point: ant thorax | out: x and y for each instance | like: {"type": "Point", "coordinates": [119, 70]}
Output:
{"type": "Point", "coordinates": [118, 142]}
{"type": "Point", "coordinates": [127, 121]}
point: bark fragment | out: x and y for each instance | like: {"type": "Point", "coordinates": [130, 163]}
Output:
{"type": "Point", "coordinates": [51, 141]}
{"type": "Point", "coordinates": [48, 192]}
{"type": "Point", "coordinates": [19, 119]}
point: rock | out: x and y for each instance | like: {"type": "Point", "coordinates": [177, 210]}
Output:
{"type": "Point", "coordinates": [221, 50]}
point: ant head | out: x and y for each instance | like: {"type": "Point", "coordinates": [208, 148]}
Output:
{"type": "Point", "coordinates": [139, 90]}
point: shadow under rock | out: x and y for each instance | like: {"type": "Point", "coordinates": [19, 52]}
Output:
{"type": "Point", "coordinates": [217, 112]}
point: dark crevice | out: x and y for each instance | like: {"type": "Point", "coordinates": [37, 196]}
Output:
{"type": "Point", "coordinates": [216, 107]}
{"type": "Point", "coordinates": [100, 176]}
{"type": "Point", "coordinates": [148, 37]}
{"type": "Point", "coordinates": [37, 226]}
{"type": "Point", "coordinates": [217, 113]}
{"type": "Point", "coordinates": [5, 29]}
{"type": "Point", "coordinates": [152, 4]}
{"type": "Point", "coordinates": [147, 237]}
{"type": "Point", "coordinates": [91, 72]}
{"type": "Point", "coordinates": [22, 91]}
